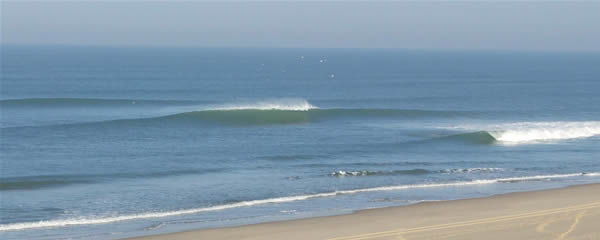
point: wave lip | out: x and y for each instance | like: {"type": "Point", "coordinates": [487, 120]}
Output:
{"type": "Point", "coordinates": [286, 104]}
{"type": "Point", "coordinates": [88, 221]}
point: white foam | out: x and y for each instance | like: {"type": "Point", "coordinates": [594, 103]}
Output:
{"type": "Point", "coordinates": [472, 170]}
{"type": "Point", "coordinates": [289, 104]}
{"type": "Point", "coordinates": [341, 173]}
{"type": "Point", "coordinates": [538, 132]}
{"type": "Point", "coordinates": [88, 221]}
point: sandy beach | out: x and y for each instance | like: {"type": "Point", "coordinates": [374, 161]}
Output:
{"type": "Point", "coordinates": [566, 213]}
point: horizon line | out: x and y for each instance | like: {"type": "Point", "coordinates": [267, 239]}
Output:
{"type": "Point", "coordinates": [165, 46]}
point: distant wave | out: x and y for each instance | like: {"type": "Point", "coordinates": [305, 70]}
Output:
{"type": "Point", "coordinates": [291, 104]}
{"type": "Point", "coordinates": [148, 215]}
{"type": "Point", "coordinates": [288, 111]}
{"type": "Point", "coordinates": [278, 116]}
{"type": "Point", "coordinates": [280, 111]}
{"type": "Point", "coordinates": [530, 132]}
{"type": "Point", "coordinates": [38, 182]}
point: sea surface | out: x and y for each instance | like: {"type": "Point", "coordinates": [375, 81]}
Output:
{"type": "Point", "coordinates": [113, 142]}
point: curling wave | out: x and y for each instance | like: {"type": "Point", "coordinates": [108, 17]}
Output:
{"type": "Point", "coordinates": [103, 220]}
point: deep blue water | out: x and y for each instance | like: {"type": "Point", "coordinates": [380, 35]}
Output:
{"type": "Point", "coordinates": [104, 143]}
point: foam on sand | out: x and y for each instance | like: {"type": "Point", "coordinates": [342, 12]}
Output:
{"type": "Point", "coordinates": [102, 220]}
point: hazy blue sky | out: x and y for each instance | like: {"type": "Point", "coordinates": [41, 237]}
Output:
{"type": "Point", "coordinates": [489, 25]}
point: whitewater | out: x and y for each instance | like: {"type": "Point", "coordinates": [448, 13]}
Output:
{"type": "Point", "coordinates": [536, 132]}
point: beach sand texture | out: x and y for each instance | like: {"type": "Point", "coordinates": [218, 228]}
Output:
{"type": "Point", "coordinates": [567, 213]}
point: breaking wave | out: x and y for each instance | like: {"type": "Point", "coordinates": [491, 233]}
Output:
{"type": "Point", "coordinates": [529, 132]}
{"type": "Point", "coordinates": [546, 131]}
{"type": "Point", "coordinates": [148, 215]}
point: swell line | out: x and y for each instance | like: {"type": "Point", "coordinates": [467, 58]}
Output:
{"type": "Point", "coordinates": [46, 181]}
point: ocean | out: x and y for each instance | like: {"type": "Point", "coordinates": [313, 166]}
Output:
{"type": "Point", "coordinates": [114, 142]}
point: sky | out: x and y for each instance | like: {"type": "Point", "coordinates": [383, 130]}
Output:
{"type": "Point", "coordinates": [557, 26]}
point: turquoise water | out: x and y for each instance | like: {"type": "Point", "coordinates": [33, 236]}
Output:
{"type": "Point", "coordinates": [105, 143]}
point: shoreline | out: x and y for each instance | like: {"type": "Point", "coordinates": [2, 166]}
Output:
{"type": "Point", "coordinates": [561, 213]}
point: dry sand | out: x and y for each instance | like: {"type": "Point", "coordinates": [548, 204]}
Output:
{"type": "Point", "coordinates": [567, 213]}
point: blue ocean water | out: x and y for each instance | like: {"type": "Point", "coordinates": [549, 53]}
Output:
{"type": "Point", "coordinates": [113, 142]}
